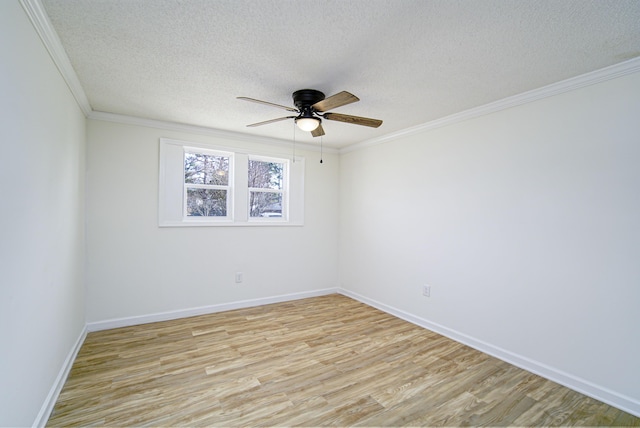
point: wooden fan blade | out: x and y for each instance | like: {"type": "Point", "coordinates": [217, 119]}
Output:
{"type": "Point", "coordinates": [356, 120]}
{"type": "Point", "coordinates": [340, 99]}
{"type": "Point", "coordinates": [253, 100]}
{"type": "Point", "coordinates": [271, 121]}
{"type": "Point", "coordinates": [318, 131]}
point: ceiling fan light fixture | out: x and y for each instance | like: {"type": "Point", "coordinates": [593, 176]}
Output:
{"type": "Point", "coordinates": [312, 106]}
{"type": "Point", "coordinates": [307, 123]}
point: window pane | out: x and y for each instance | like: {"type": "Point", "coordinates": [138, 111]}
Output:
{"type": "Point", "coordinates": [265, 204]}
{"type": "Point", "coordinates": [206, 202]}
{"type": "Point", "coordinates": [265, 175]}
{"type": "Point", "coordinates": [206, 169]}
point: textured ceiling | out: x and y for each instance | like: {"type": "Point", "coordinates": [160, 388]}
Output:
{"type": "Point", "coordinates": [409, 62]}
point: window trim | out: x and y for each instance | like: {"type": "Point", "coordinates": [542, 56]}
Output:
{"type": "Point", "coordinates": [171, 186]}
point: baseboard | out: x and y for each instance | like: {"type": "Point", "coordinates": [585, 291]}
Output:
{"type": "Point", "coordinates": [575, 383]}
{"type": "Point", "coordinates": [203, 310]}
{"type": "Point", "coordinates": [54, 392]}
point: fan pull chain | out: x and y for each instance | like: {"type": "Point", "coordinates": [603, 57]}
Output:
{"type": "Point", "coordinates": [321, 149]}
{"type": "Point", "coordinates": [294, 142]}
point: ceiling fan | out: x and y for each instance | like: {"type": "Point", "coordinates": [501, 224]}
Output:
{"type": "Point", "coordinates": [311, 106]}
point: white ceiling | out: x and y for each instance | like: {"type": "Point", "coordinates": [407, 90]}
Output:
{"type": "Point", "coordinates": [409, 61]}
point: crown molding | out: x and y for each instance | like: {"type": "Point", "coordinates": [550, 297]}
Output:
{"type": "Point", "coordinates": [203, 130]}
{"type": "Point", "coordinates": [40, 21]}
{"type": "Point", "coordinates": [591, 78]}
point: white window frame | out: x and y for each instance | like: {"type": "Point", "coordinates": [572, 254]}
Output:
{"type": "Point", "coordinates": [284, 191]}
{"type": "Point", "coordinates": [228, 187]}
{"type": "Point", "coordinates": [172, 190]}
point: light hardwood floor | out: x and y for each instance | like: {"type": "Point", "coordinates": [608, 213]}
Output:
{"type": "Point", "coordinates": [324, 361]}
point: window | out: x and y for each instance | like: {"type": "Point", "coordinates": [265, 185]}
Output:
{"type": "Point", "coordinates": [207, 183]}
{"type": "Point", "coordinates": [204, 185]}
{"type": "Point", "coordinates": [267, 183]}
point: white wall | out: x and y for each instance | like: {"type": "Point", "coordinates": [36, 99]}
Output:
{"type": "Point", "coordinates": [525, 222]}
{"type": "Point", "coordinates": [136, 268]}
{"type": "Point", "coordinates": [41, 220]}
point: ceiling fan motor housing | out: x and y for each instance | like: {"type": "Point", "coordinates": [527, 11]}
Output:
{"type": "Point", "coordinates": [305, 98]}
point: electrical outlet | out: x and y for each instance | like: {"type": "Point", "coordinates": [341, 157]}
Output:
{"type": "Point", "coordinates": [426, 290]}
{"type": "Point", "coordinates": [238, 277]}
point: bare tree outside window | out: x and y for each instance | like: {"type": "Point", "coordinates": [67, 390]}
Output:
{"type": "Point", "coordinates": [266, 182]}
{"type": "Point", "coordinates": [206, 202]}
{"type": "Point", "coordinates": [206, 169]}
{"type": "Point", "coordinates": [206, 180]}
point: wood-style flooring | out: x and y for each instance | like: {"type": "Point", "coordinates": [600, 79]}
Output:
{"type": "Point", "coordinates": [324, 361]}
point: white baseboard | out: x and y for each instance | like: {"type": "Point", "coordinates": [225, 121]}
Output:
{"type": "Point", "coordinates": [585, 387]}
{"type": "Point", "coordinates": [575, 383]}
{"type": "Point", "coordinates": [203, 310]}
{"type": "Point", "coordinates": [54, 392]}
